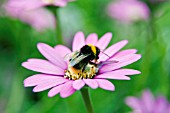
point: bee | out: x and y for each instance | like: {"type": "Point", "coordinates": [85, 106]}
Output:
{"type": "Point", "coordinates": [83, 63]}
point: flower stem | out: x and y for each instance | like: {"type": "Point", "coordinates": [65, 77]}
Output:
{"type": "Point", "coordinates": [58, 31]}
{"type": "Point", "coordinates": [86, 98]}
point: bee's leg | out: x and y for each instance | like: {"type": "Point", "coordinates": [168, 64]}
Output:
{"type": "Point", "coordinates": [79, 75]}
{"type": "Point", "coordinates": [67, 74]}
{"type": "Point", "coordinates": [86, 76]}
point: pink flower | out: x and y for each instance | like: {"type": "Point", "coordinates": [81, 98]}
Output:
{"type": "Point", "coordinates": [148, 104]}
{"type": "Point", "coordinates": [53, 69]}
{"type": "Point", "coordinates": [33, 12]}
{"type": "Point", "coordinates": [34, 4]}
{"type": "Point", "coordinates": [40, 19]}
{"type": "Point", "coordinates": [128, 10]}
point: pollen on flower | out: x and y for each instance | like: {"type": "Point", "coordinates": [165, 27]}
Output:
{"type": "Point", "coordinates": [88, 72]}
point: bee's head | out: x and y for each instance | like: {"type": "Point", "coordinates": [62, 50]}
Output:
{"type": "Point", "coordinates": [92, 50]}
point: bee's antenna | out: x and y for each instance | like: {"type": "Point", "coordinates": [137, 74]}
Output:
{"type": "Point", "coordinates": [105, 54]}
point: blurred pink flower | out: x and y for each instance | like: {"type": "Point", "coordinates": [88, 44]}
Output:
{"type": "Point", "coordinates": [128, 10]}
{"type": "Point", "coordinates": [33, 12]}
{"type": "Point", "coordinates": [40, 19]}
{"type": "Point", "coordinates": [53, 69]}
{"type": "Point", "coordinates": [33, 4]}
{"type": "Point", "coordinates": [148, 104]}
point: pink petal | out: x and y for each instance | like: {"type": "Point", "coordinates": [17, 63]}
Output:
{"type": "Point", "coordinates": [78, 41]}
{"type": "Point", "coordinates": [34, 18]}
{"type": "Point", "coordinates": [112, 50]}
{"type": "Point", "coordinates": [168, 111]}
{"type": "Point", "coordinates": [104, 41]}
{"type": "Point", "coordinates": [43, 66]}
{"type": "Point", "coordinates": [26, 4]}
{"type": "Point", "coordinates": [78, 84]}
{"type": "Point", "coordinates": [148, 100]}
{"type": "Point", "coordinates": [62, 50]}
{"type": "Point", "coordinates": [42, 79]}
{"type": "Point", "coordinates": [32, 4]}
{"type": "Point", "coordinates": [60, 3]}
{"type": "Point", "coordinates": [133, 102]}
{"type": "Point", "coordinates": [67, 89]}
{"type": "Point", "coordinates": [105, 84]}
{"type": "Point", "coordinates": [54, 91]}
{"type": "Point", "coordinates": [161, 105]}
{"type": "Point", "coordinates": [125, 53]}
{"type": "Point", "coordinates": [48, 84]}
{"type": "Point", "coordinates": [92, 39]}
{"type": "Point", "coordinates": [123, 61]}
{"type": "Point", "coordinates": [50, 53]}
{"type": "Point", "coordinates": [118, 74]}
{"type": "Point", "coordinates": [109, 75]}
{"type": "Point", "coordinates": [91, 82]}
{"type": "Point", "coordinates": [31, 12]}
{"type": "Point", "coordinates": [127, 71]}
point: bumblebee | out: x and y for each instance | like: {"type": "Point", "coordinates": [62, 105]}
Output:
{"type": "Point", "coordinates": [83, 63]}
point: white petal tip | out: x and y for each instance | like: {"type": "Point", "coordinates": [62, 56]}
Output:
{"type": "Point", "coordinates": [36, 90]}
{"type": "Point", "coordinates": [109, 34]}
{"type": "Point", "coordinates": [127, 78]}
{"type": "Point", "coordinates": [25, 83]}
{"type": "Point", "coordinates": [50, 95]}
{"type": "Point", "coordinates": [64, 96]}
{"type": "Point", "coordinates": [40, 44]}
{"type": "Point", "coordinates": [125, 41]}
{"type": "Point", "coordinates": [112, 89]}
{"type": "Point", "coordinates": [138, 72]}
{"type": "Point", "coordinates": [139, 56]}
{"type": "Point", "coordinates": [79, 33]}
{"type": "Point", "coordinates": [135, 50]}
{"type": "Point", "coordinates": [24, 64]}
{"type": "Point", "coordinates": [94, 87]}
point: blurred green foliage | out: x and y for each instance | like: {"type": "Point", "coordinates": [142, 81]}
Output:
{"type": "Point", "coordinates": [18, 43]}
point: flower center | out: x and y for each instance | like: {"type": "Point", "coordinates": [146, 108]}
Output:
{"type": "Point", "coordinates": [86, 72]}
{"type": "Point", "coordinates": [48, 1]}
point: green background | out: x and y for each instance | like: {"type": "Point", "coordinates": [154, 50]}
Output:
{"type": "Point", "coordinates": [18, 43]}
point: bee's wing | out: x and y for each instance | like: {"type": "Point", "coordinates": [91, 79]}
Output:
{"type": "Point", "coordinates": [77, 59]}
{"type": "Point", "coordinates": [67, 57]}
{"type": "Point", "coordinates": [71, 55]}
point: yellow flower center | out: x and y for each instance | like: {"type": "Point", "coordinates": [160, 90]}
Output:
{"type": "Point", "coordinates": [89, 71]}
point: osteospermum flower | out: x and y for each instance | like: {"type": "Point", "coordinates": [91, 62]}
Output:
{"type": "Point", "coordinates": [40, 19]}
{"type": "Point", "coordinates": [148, 104]}
{"type": "Point", "coordinates": [53, 69]}
{"type": "Point", "coordinates": [128, 10]}
{"type": "Point", "coordinates": [34, 4]}
{"type": "Point", "coordinates": [33, 12]}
